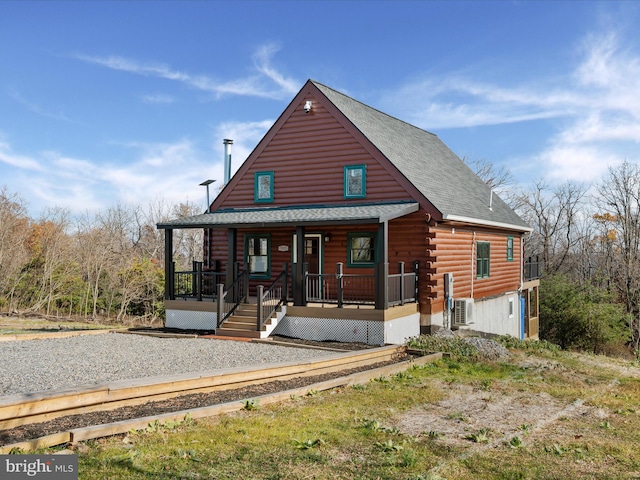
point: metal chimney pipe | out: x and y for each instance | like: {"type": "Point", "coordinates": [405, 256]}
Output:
{"type": "Point", "coordinates": [227, 159]}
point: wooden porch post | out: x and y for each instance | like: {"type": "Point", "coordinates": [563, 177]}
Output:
{"type": "Point", "coordinates": [169, 289]}
{"type": "Point", "coordinates": [298, 270]}
{"type": "Point", "coordinates": [231, 255]}
{"type": "Point", "coordinates": [198, 286]}
{"type": "Point", "coordinates": [382, 267]}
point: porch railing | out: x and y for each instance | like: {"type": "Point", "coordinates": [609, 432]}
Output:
{"type": "Point", "coordinates": [197, 283]}
{"type": "Point", "coordinates": [270, 300]}
{"type": "Point", "coordinates": [402, 287]}
{"type": "Point", "coordinates": [359, 289]}
{"type": "Point", "coordinates": [236, 294]}
{"type": "Point", "coordinates": [532, 268]}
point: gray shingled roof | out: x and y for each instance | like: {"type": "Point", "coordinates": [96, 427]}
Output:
{"type": "Point", "coordinates": [443, 178]}
{"type": "Point", "coordinates": [293, 216]}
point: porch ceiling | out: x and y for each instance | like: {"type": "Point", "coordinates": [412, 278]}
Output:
{"type": "Point", "coordinates": [295, 216]}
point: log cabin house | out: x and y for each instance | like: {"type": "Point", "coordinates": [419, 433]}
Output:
{"type": "Point", "coordinates": [347, 224]}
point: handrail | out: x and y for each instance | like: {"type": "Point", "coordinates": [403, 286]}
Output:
{"type": "Point", "coordinates": [237, 293]}
{"type": "Point", "coordinates": [271, 299]}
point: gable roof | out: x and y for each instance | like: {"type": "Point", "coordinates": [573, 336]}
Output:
{"type": "Point", "coordinates": [438, 173]}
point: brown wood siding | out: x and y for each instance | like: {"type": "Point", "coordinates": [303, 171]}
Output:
{"type": "Point", "coordinates": [438, 250]}
{"type": "Point", "coordinates": [455, 252]}
{"type": "Point", "coordinates": [307, 155]}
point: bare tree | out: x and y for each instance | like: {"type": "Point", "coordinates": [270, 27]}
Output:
{"type": "Point", "coordinates": [554, 214]}
{"type": "Point", "coordinates": [499, 179]}
{"type": "Point", "coordinates": [187, 243]}
{"type": "Point", "coordinates": [618, 202]}
{"type": "Point", "coordinates": [14, 227]}
{"type": "Point", "coordinates": [51, 267]}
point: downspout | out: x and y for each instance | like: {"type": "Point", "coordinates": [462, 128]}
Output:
{"type": "Point", "coordinates": [473, 243]}
{"type": "Point", "coordinates": [521, 309]}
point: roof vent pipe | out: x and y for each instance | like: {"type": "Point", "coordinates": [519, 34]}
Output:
{"type": "Point", "coordinates": [491, 200]}
{"type": "Point", "coordinates": [227, 159]}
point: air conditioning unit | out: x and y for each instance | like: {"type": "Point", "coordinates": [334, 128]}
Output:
{"type": "Point", "coordinates": [463, 312]}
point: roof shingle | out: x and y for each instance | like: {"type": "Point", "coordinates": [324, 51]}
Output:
{"type": "Point", "coordinates": [438, 173]}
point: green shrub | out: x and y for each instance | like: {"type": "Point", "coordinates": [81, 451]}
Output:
{"type": "Point", "coordinates": [531, 345]}
{"type": "Point", "coordinates": [580, 317]}
{"type": "Point", "coordinates": [455, 346]}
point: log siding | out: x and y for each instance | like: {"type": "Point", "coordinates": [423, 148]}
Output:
{"type": "Point", "coordinates": [307, 154]}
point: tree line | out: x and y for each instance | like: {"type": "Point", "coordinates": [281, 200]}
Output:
{"type": "Point", "coordinates": [587, 237]}
{"type": "Point", "coordinates": [110, 264]}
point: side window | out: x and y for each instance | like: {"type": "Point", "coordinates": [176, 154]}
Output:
{"type": "Point", "coordinates": [263, 187]}
{"type": "Point", "coordinates": [510, 249]}
{"type": "Point", "coordinates": [361, 249]}
{"type": "Point", "coordinates": [355, 181]}
{"type": "Point", "coordinates": [483, 254]}
{"type": "Point", "coordinates": [258, 255]}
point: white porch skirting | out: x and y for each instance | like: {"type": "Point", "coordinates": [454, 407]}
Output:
{"type": "Point", "coordinates": [191, 320]}
{"type": "Point", "coordinates": [394, 331]}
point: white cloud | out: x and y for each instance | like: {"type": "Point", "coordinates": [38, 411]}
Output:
{"type": "Point", "coordinates": [171, 171]}
{"type": "Point", "coordinates": [581, 163]}
{"type": "Point", "coordinates": [22, 162]}
{"type": "Point", "coordinates": [595, 104]}
{"type": "Point", "coordinates": [258, 85]}
{"type": "Point", "coordinates": [245, 136]}
{"type": "Point", "coordinates": [38, 109]}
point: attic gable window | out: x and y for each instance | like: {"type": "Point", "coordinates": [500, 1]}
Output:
{"type": "Point", "coordinates": [355, 181]}
{"type": "Point", "coordinates": [263, 187]}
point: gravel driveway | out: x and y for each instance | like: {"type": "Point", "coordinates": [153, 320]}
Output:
{"type": "Point", "coordinates": [56, 363]}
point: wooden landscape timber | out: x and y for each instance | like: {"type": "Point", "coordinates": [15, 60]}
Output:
{"type": "Point", "coordinates": [232, 378]}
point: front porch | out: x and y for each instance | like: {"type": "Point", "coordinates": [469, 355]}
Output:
{"type": "Point", "coordinates": [278, 259]}
{"type": "Point", "coordinates": [338, 306]}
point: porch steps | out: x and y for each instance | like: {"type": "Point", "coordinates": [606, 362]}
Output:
{"type": "Point", "coordinates": [243, 323]}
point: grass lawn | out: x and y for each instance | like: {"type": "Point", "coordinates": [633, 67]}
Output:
{"type": "Point", "coordinates": [540, 415]}
{"type": "Point", "coordinates": [24, 326]}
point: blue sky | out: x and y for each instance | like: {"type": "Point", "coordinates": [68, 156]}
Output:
{"type": "Point", "coordinates": [105, 103]}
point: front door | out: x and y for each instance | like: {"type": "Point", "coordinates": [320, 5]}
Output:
{"type": "Point", "coordinates": [312, 253]}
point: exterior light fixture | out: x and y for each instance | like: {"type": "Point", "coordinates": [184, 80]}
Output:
{"type": "Point", "coordinates": [206, 183]}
